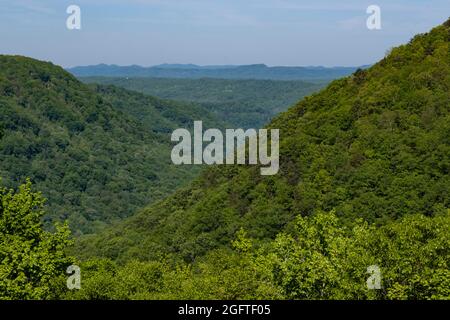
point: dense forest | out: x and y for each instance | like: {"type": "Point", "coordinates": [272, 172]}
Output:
{"type": "Point", "coordinates": [94, 159]}
{"type": "Point", "coordinates": [364, 181]}
{"type": "Point", "coordinates": [99, 152]}
{"type": "Point", "coordinates": [242, 103]}
{"type": "Point", "coordinates": [364, 163]}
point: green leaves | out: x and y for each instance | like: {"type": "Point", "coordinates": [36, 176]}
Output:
{"type": "Point", "coordinates": [364, 185]}
{"type": "Point", "coordinates": [318, 258]}
{"type": "Point", "coordinates": [88, 151]}
{"type": "Point", "coordinates": [32, 261]}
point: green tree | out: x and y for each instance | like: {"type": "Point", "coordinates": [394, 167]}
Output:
{"type": "Point", "coordinates": [32, 261]}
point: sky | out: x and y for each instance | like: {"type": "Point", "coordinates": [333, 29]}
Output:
{"type": "Point", "coordinates": [213, 32]}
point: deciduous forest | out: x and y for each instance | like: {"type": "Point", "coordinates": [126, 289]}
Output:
{"type": "Point", "coordinates": [364, 180]}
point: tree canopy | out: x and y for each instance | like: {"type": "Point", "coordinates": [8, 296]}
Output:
{"type": "Point", "coordinates": [32, 261]}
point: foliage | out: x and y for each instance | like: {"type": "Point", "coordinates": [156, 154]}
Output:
{"type": "Point", "coordinates": [93, 162]}
{"type": "Point", "coordinates": [240, 103]}
{"type": "Point", "coordinates": [374, 146]}
{"type": "Point", "coordinates": [316, 259]}
{"type": "Point", "coordinates": [32, 261]}
{"type": "Point", "coordinates": [160, 116]}
{"type": "Point", "coordinates": [364, 181]}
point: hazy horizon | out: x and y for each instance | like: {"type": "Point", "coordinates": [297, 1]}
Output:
{"type": "Point", "coordinates": [272, 32]}
{"type": "Point", "coordinates": [212, 65]}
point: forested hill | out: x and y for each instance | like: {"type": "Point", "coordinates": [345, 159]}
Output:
{"type": "Point", "coordinates": [371, 146]}
{"type": "Point", "coordinates": [256, 71]}
{"type": "Point", "coordinates": [97, 153]}
{"type": "Point", "coordinates": [243, 103]}
{"type": "Point", "coordinates": [159, 115]}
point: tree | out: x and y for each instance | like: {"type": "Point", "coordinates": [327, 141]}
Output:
{"type": "Point", "coordinates": [32, 261]}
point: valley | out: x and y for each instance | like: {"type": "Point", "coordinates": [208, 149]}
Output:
{"type": "Point", "coordinates": [242, 103]}
{"type": "Point", "coordinates": [362, 181]}
{"type": "Point", "coordinates": [99, 152]}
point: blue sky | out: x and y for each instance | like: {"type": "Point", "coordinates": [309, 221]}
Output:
{"type": "Point", "coordinates": [205, 32]}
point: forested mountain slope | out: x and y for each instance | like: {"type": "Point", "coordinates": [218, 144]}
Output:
{"type": "Point", "coordinates": [372, 146]}
{"type": "Point", "coordinates": [243, 103]}
{"type": "Point", "coordinates": [98, 154]}
{"type": "Point", "coordinates": [159, 115]}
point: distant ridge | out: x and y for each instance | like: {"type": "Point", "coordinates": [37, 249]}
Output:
{"type": "Point", "coordinates": [192, 71]}
{"type": "Point", "coordinates": [191, 66]}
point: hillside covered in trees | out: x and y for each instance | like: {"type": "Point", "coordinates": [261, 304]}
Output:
{"type": "Point", "coordinates": [363, 184]}
{"type": "Point", "coordinates": [97, 153]}
{"type": "Point", "coordinates": [242, 103]}
{"type": "Point", "coordinates": [364, 180]}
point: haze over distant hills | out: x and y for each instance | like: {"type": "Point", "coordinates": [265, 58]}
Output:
{"type": "Point", "coordinates": [362, 192]}
{"type": "Point", "coordinates": [364, 178]}
{"type": "Point", "coordinates": [254, 71]}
